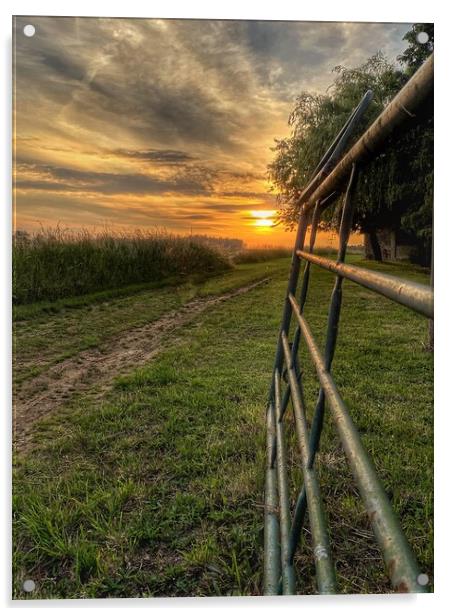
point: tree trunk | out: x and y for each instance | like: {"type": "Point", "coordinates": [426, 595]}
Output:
{"type": "Point", "coordinates": [393, 242]}
{"type": "Point", "coordinates": [374, 245]}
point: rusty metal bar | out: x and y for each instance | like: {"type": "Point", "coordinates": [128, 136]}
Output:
{"type": "Point", "coordinates": [320, 542]}
{"type": "Point", "coordinates": [402, 107]}
{"type": "Point", "coordinates": [288, 574]}
{"type": "Point", "coordinates": [272, 556]}
{"type": "Point", "coordinates": [418, 297]}
{"type": "Point", "coordinates": [398, 556]}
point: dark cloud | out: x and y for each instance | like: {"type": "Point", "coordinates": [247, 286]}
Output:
{"type": "Point", "coordinates": [241, 175]}
{"type": "Point", "coordinates": [194, 216]}
{"type": "Point", "coordinates": [242, 193]}
{"type": "Point", "coordinates": [46, 185]}
{"type": "Point", "coordinates": [166, 157]}
{"type": "Point", "coordinates": [62, 66]}
{"type": "Point", "coordinates": [184, 81]}
{"type": "Point", "coordinates": [70, 180]}
{"type": "Point", "coordinates": [226, 208]}
{"type": "Point", "coordinates": [49, 204]}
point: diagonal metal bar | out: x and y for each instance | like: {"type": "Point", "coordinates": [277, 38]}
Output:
{"type": "Point", "coordinates": [288, 574]}
{"type": "Point", "coordinates": [338, 148]}
{"type": "Point", "coordinates": [332, 154]}
{"type": "Point", "coordinates": [321, 548]}
{"type": "Point", "coordinates": [398, 556]}
{"type": "Point", "coordinates": [418, 297]}
{"type": "Point", "coordinates": [306, 274]}
{"type": "Point", "coordinates": [304, 291]}
{"type": "Point", "coordinates": [272, 558]}
{"type": "Point", "coordinates": [331, 336]}
{"type": "Point", "coordinates": [334, 312]}
{"type": "Point", "coordinates": [287, 313]}
{"type": "Point", "coordinates": [291, 287]}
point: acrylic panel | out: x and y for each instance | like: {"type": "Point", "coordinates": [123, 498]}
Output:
{"type": "Point", "coordinates": [222, 307]}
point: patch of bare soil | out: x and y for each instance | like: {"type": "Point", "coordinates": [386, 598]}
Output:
{"type": "Point", "coordinates": [42, 395]}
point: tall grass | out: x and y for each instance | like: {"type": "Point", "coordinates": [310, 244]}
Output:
{"type": "Point", "coordinates": [56, 263]}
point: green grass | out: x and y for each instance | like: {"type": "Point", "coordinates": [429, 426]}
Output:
{"type": "Point", "coordinates": [31, 312]}
{"type": "Point", "coordinates": [158, 490]}
{"type": "Point", "coordinates": [56, 263]}
{"type": "Point", "coordinates": [63, 329]}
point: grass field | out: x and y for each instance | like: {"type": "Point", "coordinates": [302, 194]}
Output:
{"type": "Point", "coordinates": [155, 487]}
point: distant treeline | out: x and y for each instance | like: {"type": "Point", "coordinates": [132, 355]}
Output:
{"type": "Point", "coordinates": [225, 244]}
{"type": "Point", "coordinates": [256, 255]}
{"type": "Point", "coordinates": [56, 263]}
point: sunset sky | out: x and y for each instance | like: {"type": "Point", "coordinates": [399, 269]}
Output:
{"type": "Point", "coordinates": [142, 123]}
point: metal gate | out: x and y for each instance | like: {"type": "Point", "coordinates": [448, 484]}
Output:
{"type": "Point", "coordinates": [283, 530]}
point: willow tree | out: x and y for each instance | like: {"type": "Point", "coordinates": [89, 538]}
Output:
{"type": "Point", "coordinates": [394, 191]}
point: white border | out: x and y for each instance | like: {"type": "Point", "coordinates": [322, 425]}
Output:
{"type": "Point", "coordinates": [345, 10]}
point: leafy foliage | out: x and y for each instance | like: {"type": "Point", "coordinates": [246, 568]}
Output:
{"type": "Point", "coordinates": [417, 52]}
{"type": "Point", "coordinates": [395, 189]}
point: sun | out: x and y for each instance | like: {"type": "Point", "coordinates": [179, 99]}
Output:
{"type": "Point", "coordinates": [263, 218]}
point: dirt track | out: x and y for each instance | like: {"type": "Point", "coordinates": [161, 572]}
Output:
{"type": "Point", "coordinates": [42, 395]}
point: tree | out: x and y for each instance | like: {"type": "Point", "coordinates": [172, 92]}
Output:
{"type": "Point", "coordinates": [394, 191]}
{"type": "Point", "coordinates": [418, 49]}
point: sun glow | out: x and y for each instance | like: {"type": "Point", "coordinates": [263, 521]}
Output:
{"type": "Point", "coordinates": [264, 222]}
{"type": "Point", "coordinates": [263, 218]}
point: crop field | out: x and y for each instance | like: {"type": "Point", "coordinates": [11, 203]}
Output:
{"type": "Point", "coordinates": [57, 263]}
{"type": "Point", "coordinates": [139, 432]}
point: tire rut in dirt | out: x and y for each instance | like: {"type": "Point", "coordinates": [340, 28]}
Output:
{"type": "Point", "coordinates": [92, 371]}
